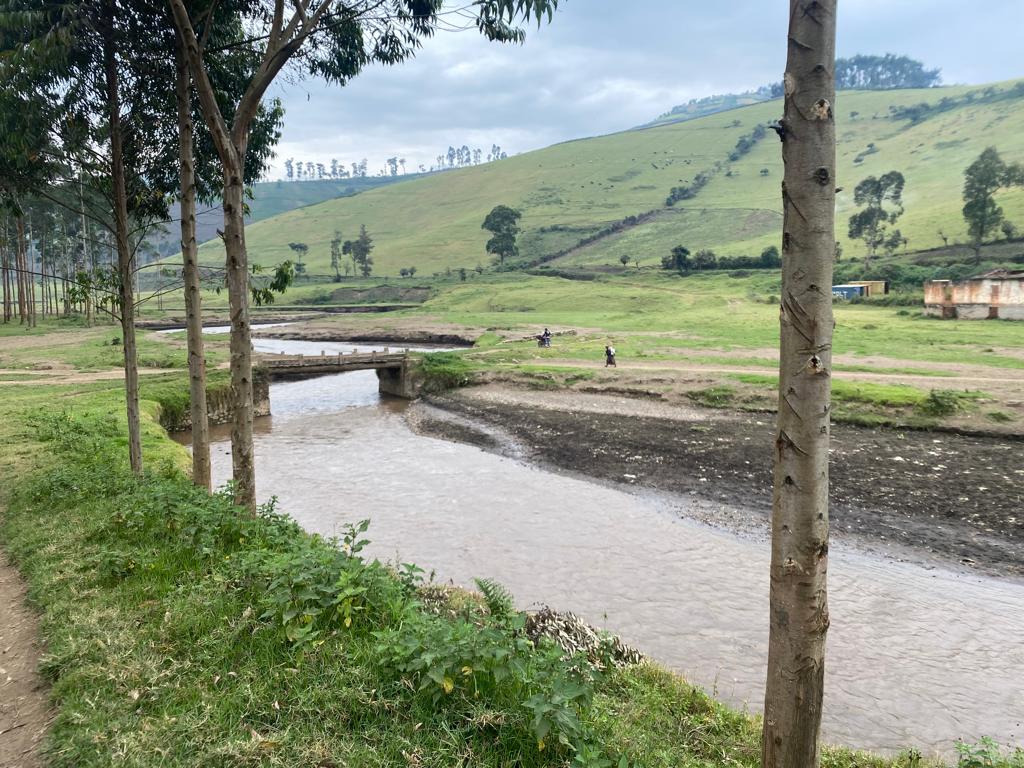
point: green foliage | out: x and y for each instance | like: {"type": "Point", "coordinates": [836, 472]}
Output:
{"type": "Point", "coordinates": [987, 754]}
{"type": "Point", "coordinates": [882, 199]}
{"type": "Point", "coordinates": [678, 259]}
{"type": "Point", "coordinates": [982, 179]}
{"type": "Point", "coordinates": [490, 665]}
{"type": "Point", "coordinates": [942, 402]}
{"type": "Point", "coordinates": [444, 370]}
{"type": "Point", "coordinates": [503, 224]}
{"type": "Point", "coordinates": [877, 73]}
{"type": "Point", "coordinates": [497, 598]}
{"type": "Point", "coordinates": [717, 396]}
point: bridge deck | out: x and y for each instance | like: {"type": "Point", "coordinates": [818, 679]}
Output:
{"type": "Point", "coordinates": [310, 364]}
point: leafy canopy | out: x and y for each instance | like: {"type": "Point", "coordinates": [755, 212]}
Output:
{"type": "Point", "coordinates": [882, 198]}
{"type": "Point", "coordinates": [503, 223]}
{"type": "Point", "coordinates": [982, 179]}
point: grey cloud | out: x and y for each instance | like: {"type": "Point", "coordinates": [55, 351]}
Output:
{"type": "Point", "coordinates": [605, 65]}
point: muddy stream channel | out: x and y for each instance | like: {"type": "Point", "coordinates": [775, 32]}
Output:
{"type": "Point", "coordinates": [917, 656]}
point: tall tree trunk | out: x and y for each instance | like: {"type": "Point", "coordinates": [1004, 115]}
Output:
{"type": "Point", "coordinates": [87, 264]}
{"type": "Point", "coordinates": [20, 262]}
{"type": "Point", "coordinates": [242, 451]}
{"type": "Point", "coordinates": [201, 475]}
{"type": "Point", "coordinates": [798, 600]}
{"type": "Point", "coordinates": [30, 278]}
{"type": "Point", "coordinates": [6, 269]}
{"type": "Point", "coordinates": [125, 260]}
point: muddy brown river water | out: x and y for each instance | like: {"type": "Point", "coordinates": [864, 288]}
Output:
{"type": "Point", "coordinates": [917, 656]}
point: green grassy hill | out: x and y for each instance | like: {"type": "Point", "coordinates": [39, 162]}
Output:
{"type": "Point", "coordinates": [270, 198]}
{"type": "Point", "coordinates": [584, 190]}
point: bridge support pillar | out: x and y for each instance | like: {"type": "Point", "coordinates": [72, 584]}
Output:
{"type": "Point", "coordinates": [398, 381]}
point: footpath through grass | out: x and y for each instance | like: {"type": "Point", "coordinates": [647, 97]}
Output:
{"type": "Point", "coordinates": [182, 632]}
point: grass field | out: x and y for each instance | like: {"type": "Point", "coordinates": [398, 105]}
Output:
{"type": "Point", "coordinates": [573, 190]}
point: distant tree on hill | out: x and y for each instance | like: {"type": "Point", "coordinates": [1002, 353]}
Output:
{"type": "Point", "coordinates": [873, 224]}
{"type": "Point", "coordinates": [334, 168]}
{"type": "Point", "coordinates": [503, 223]}
{"type": "Point", "coordinates": [289, 169]}
{"type": "Point", "coordinates": [982, 179]}
{"type": "Point", "coordinates": [705, 259]}
{"type": "Point", "coordinates": [770, 258]}
{"type": "Point", "coordinates": [880, 73]}
{"type": "Point", "coordinates": [300, 249]}
{"type": "Point", "coordinates": [361, 248]}
{"type": "Point", "coordinates": [336, 255]}
{"type": "Point", "coordinates": [624, 258]}
{"type": "Point", "coordinates": [462, 274]}
{"type": "Point", "coordinates": [678, 259]}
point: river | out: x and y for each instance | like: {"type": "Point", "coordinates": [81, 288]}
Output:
{"type": "Point", "coordinates": [917, 656]}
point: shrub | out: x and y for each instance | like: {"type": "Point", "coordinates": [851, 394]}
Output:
{"type": "Point", "coordinates": [444, 370]}
{"type": "Point", "coordinates": [941, 402]}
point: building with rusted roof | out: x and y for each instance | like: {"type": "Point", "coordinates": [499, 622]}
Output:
{"type": "Point", "coordinates": [996, 294]}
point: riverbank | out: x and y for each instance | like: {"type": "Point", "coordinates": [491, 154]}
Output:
{"type": "Point", "coordinates": [181, 632]}
{"type": "Point", "coordinates": [913, 495]}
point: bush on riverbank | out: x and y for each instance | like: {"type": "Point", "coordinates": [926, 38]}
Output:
{"type": "Point", "coordinates": [444, 370]}
{"type": "Point", "coordinates": [182, 632]}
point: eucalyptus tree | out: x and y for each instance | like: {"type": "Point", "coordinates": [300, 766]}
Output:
{"type": "Point", "coordinates": [331, 39]}
{"type": "Point", "coordinates": [96, 111]}
{"type": "Point", "coordinates": [103, 76]}
{"type": "Point", "coordinates": [798, 605]}
{"type": "Point", "coordinates": [23, 165]}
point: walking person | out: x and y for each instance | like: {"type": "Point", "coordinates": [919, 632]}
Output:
{"type": "Point", "coordinates": [609, 356]}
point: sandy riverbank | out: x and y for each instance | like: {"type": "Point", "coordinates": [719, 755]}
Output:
{"type": "Point", "coordinates": [914, 495]}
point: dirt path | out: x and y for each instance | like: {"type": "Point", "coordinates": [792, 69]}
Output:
{"type": "Point", "coordinates": [966, 381]}
{"type": "Point", "coordinates": [70, 376]}
{"type": "Point", "coordinates": [24, 713]}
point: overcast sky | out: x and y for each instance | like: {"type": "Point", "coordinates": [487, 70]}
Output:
{"type": "Point", "coordinates": [608, 65]}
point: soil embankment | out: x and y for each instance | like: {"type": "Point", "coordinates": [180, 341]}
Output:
{"type": "Point", "coordinates": [398, 335]}
{"type": "Point", "coordinates": [914, 495]}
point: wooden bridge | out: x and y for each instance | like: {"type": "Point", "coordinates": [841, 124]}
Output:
{"type": "Point", "coordinates": [392, 368]}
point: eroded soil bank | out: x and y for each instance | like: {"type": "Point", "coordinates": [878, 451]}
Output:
{"type": "Point", "coordinates": [915, 495]}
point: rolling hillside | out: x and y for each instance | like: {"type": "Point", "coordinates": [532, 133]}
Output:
{"type": "Point", "coordinates": [270, 198]}
{"type": "Point", "coordinates": [589, 190]}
